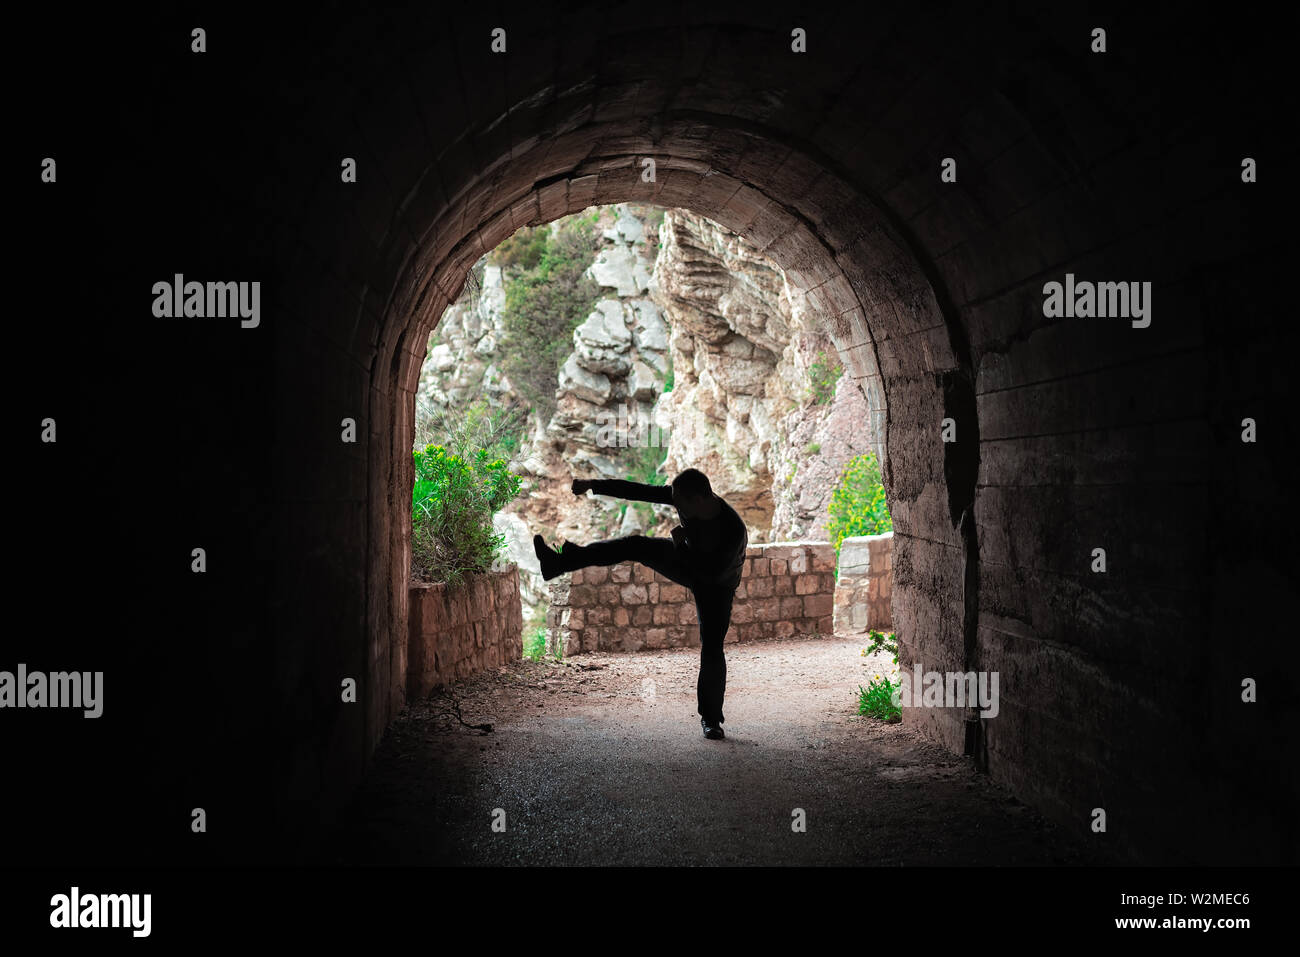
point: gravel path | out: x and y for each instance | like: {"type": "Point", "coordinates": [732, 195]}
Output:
{"type": "Point", "coordinates": [600, 760]}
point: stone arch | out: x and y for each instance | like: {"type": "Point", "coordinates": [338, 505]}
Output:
{"type": "Point", "coordinates": [835, 244]}
{"type": "Point", "coordinates": [831, 164]}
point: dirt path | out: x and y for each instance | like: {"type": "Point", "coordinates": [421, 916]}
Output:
{"type": "Point", "coordinates": [600, 760]}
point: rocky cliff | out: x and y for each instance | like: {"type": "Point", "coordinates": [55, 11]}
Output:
{"type": "Point", "coordinates": [698, 354]}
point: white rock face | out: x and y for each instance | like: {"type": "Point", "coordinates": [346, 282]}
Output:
{"type": "Point", "coordinates": [687, 296]}
{"type": "Point", "coordinates": [613, 269]}
{"type": "Point", "coordinates": [602, 342]}
{"type": "Point", "coordinates": [579, 380]}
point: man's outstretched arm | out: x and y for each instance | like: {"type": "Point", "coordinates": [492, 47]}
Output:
{"type": "Point", "coordinates": [632, 491]}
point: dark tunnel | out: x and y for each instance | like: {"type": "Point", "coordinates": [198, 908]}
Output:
{"type": "Point", "coordinates": [1120, 689]}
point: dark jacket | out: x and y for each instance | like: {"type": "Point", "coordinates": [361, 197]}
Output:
{"type": "Point", "coordinates": [716, 546]}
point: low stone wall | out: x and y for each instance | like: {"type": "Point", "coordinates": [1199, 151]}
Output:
{"type": "Point", "coordinates": [458, 631]}
{"type": "Point", "coordinates": [864, 592]}
{"type": "Point", "coordinates": [787, 589]}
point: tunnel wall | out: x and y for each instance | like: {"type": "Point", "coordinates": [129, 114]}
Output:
{"type": "Point", "coordinates": [934, 297]}
{"type": "Point", "coordinates": [1119, 689]}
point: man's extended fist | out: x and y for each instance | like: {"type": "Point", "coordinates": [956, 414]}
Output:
{"type": "Point", "coordinates": [581, 486]}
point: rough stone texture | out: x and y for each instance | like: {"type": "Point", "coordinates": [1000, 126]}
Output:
{"type": "Point", "coordinates": [787, 589]}
{"type": "Point", "coordinates": [742, 342]}
{"type": "Point", "coordinates": [607, 385]}
{"type": "Point", "coordinates": [865, 586]}
{"type": "Point", "coordinates": [458, 631]}
{"type": "Point", "coordinates": [744, 339]}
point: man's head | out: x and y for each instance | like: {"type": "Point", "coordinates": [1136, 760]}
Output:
{"type": "Point", "coordinates": [693, 495]}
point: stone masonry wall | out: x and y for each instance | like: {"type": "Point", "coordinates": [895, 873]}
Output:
{"type": "Point", "coordinates": [864, 591]}
{"type": "Point", "coordinates": [787, 589]}
{"type": "Point", "coordinates": [458, 631]}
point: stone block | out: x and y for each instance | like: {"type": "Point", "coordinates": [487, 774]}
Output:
{"type": "Point", "coordinates": [815, 606]}
{"type": "Point", "coordinates": [673, 592]}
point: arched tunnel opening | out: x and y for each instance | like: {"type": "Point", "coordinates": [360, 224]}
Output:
{"type": "Point", "coordinates": [1050, 270]}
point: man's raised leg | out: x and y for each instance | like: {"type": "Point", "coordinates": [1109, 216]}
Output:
{"type": "Point", "coordinates": [659, 554]}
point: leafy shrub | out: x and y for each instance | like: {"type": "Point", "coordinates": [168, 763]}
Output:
{"type": "Point", "coordinates": [642, 465]}
{"type": "Point", "coordinates": [880, 641]}
{"type": "Point", "coordinates": [858, 504]}
{"type": "Point", "coordinates": [453, 502]}
{"type": "Point", "coordinates": [547, 296]}
{"type": "Point", "coordinates": [497, 431]}
{"type": "Point", "coordinates": [822, 377]}
{"type": "Point", "coordinates": [877, 699]}
{"type": "Point", "coordinates": [535, 644]}
{"type": "Point", "coordinates": [524, 249]}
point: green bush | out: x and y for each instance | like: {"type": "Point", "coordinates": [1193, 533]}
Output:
{"type": "Point", "coordinates": [535, 644]}
{"type": "Point", "coordinates": [453, 502]}
{"type": "Point", "coordinates": [642, 465]}
{"type": "Point", "coordinates": [497, 431]}
{"type": "Point", "coordinates": [547, 296]}
{"type": "Point", "coordinates": [877, 699]}
{"type": "Point", "coordinates": [524, 249]}
{"type": "Point", "coordinates": [822, 377]}
{"type": "Point", "coordinates": [858, 504]}
{"type": "Point", "coordinates": [880, 641]}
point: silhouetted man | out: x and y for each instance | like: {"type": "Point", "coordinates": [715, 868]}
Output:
{"type": "Point", "coordinates": [705, 554]}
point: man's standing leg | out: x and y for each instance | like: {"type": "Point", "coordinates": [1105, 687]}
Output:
{"type": "Point", "coordinates": [714, 610]}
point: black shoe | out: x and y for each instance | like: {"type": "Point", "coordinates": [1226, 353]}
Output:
{"type": "Point", "coordinates": [547, 558]}
{"type": "Point", "coordinates": [712, 729]}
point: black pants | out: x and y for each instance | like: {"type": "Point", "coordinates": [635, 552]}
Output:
{"type": "Point", "coordinates": [712, 602]}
